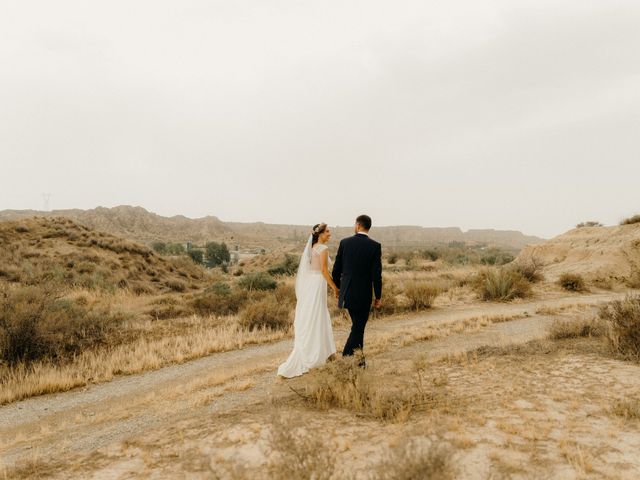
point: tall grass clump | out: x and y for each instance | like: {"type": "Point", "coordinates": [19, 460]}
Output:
{"type": "Point", "coordinates": [572, 282]}
{"type": "Point", "coordinates": [622, 318]}
{"type": "Point", "coordinates": [502, 284]}
{"type": "Point", "coordinates": [420, 294]}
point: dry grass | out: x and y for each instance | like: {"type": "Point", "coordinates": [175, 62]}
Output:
{"type": "Point", "coordinates": [22, 381]}
{"type": "Point", "coordinates": [502, 284]}
{"type": "Point", "coordinates": [572, 282]}
{"type": "Point", "coordinates": [627, 408]}
{"type": "Point", "coordinates": [343, 384]}
{"type": "Point", "coordinates": [421, 294]}
{"type": "Point", "coordinates": [413, 460]}
{"type": "Point", "coordinates": [576, 328]}
{"type": "Point", "coordinates": [622, 318]}
{"type": "Point", "coordinates": [266, 313]}
{"type": "Point", "coordinates": [57, 250]}
{"type": "Point", "coordinates": [296, 453]}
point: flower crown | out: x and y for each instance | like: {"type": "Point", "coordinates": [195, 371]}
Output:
{"type": "Point", "coordinates": [319, 228]}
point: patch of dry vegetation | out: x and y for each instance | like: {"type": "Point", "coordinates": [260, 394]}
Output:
{"type": "Point", "coordinates": [414, 460]}
{"type": "Point", "coordinates": [421, 294]}
{"type": "Point", "coordinates": [501, 284]}
{"type": "Point", "coordinates": [344, 384]}
{"type": "Point", "coordinates": [627, 408]}
{"type": "Point", "coordinates": [59, 251]}
{"type": "Point", "coordinates": [631, 220]}
{"type": "Point", "coordinates": [622, 318]}
{"type": "Point", "coordinates": [36, 324]}
{"type": "Point", "coordinates": [296, 453]}
{"type": "Point", "coordinates": [576, 328]}
{"type": "Point", "coordinates": [572, 282]}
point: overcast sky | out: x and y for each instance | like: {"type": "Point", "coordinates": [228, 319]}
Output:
{"type": "Point", "coordinates": [502, 114]}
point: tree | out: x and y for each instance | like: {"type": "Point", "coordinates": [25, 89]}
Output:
{"type": "Point", "coordinates": [159, 247]}
{"type": "Point", "coordinates": [217, 254]}
{"type": "Point", "coordinates": [196, 255]}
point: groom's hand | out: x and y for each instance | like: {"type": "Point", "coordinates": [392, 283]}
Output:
{"type": "Point", "coordinates": [377, 303]}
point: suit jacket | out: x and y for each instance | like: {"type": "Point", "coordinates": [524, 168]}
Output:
{"type": "Point", "coordinates": [357, 271]}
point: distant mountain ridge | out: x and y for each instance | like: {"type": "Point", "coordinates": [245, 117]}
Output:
{"type": "Point", "coordinates": [137, 223]}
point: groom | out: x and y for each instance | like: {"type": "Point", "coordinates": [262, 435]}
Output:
{"type": "Point", "coordinates": [356, 272]}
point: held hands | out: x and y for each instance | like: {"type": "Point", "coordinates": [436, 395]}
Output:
{"type": "Point", "coordinates": [336, 292]}
{"type": "Point", "coordinates": [377, 303]}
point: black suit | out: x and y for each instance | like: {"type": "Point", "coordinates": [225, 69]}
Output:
{"type": "Point", "coordinates": [357, 272]}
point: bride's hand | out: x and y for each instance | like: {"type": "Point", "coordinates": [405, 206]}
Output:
{"type": "Point", "coordinates": [336, 292]}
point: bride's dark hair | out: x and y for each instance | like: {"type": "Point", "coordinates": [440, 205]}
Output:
{"type": "Point", "coordinates": [316, 232]}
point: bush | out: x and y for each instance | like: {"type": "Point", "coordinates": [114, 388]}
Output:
{"type": "Point", "coordinates": [197, 256]}
{"type": "Point", "coordinates": [218, 300]}
{"type": "Point", "coordinates": [217, 254]}
{"type": "Point", "coordinates": [571, 282]}
{"type": "Point", "coordinates": [159, 247]}
{"type": "Point", "coordinates": [258, 281]}
{"type": "Point", "coordinates": [288, 267]}
{"type": "Point", "coordinates": [589, 224]}
{"type": "Point", "coordinates": [501, 284]}
{"type": "Point", "coordinates": [530, 269]}
{"type": "Point", "coordinates": [392, 259]}
{"type": "Point", "coordinates": [36, 323]}
{"type": "Point", "coordinates": [430, 254]}
{"type": "Point", "coordinates": [265, 313]}
{"type": "Point", "coordinates": [496, 257]}
{"type": "Point", "coordinates": [631, 220]}
{"type": "Point", "coordinates": [622, 318]}
{"type": "Point", "coordinates": [421, 295]}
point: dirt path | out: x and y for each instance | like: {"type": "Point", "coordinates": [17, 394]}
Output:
{"type": "Point", "coordinates": [81, 421]}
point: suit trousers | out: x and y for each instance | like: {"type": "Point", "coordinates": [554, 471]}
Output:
{"type": "Point", "coordinates": [359, 318]}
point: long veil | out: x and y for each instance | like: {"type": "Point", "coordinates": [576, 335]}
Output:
{"type": "Point", "coordinates": [304, 268]}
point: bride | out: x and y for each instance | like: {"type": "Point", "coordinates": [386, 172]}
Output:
{"type": "Point", "coordinates": [313, 342]}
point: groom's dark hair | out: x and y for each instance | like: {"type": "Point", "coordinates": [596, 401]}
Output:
{"type": "Point", "coordinates": [364, 221]}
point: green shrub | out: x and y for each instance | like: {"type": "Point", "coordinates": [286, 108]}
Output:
{"type": "Point", "coordinates": [258, 281]}
{"type": "Point", "coordinates": [572, 282]}
{"type": "Point", "coordinates": [217, 254]}
{"type": "Point", "coordinates": [622, 318]}
{"type": "Point", "coordinates": [159, 247]}
{"type": "Point", "coordinates": [501, 284]}
{"type": "Point", "coordinates": [265, 313]}
{"type": "Point", "coordinates": [420, 294]}
{"type": "Point", "coordinates": [631, 220]}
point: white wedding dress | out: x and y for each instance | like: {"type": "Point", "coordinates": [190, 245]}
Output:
{"type": "Point", "coordinates": [313, 342]}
